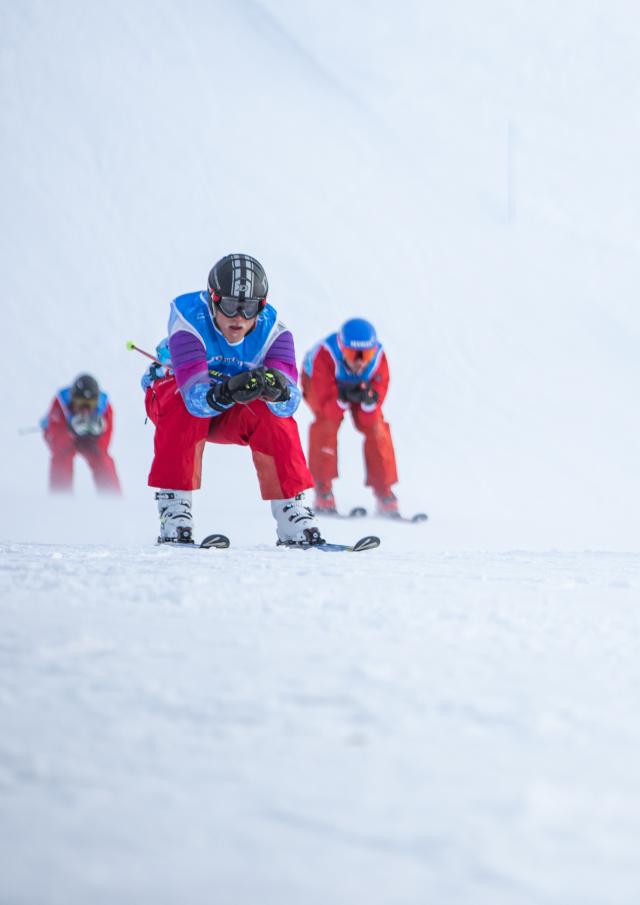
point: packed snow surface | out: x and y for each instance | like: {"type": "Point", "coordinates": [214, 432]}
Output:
{"type": "Point", "coordinates": [262, 725]}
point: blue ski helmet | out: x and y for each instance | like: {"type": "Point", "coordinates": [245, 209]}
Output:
{"type": "Point", "coordinates": [357, 334]}
{"type": "Point", "coordinates": [358, 343]}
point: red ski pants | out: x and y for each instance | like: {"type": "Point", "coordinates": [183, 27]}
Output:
{"type": "Point", "coordinates": [99, 461]}
{"type": "Point", "coordinates": [180, 437]}
{"type": "Point", "coordinates": [379, 455]}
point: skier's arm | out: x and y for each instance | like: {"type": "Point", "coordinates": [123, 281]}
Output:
{"type": "Point", "coordinates": [189, 359]}
{"type": "Point", "coordinates": [104, 439]}
{"type": "Point", "coordinates": [56, 431]}
{"type": "Point", "coordinates": [325, 387]}
{"type": "Point", "coordinates": [282, 357]}
{"type": "Point", "coordinates": [378, 386]}
{"type": "Point", "coordinates": [159, 368]}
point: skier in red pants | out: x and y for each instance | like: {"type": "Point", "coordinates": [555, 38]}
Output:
{"type": "Point", "coordinates": [227, 374]}
{"type": "Point", "coordinates": [348, 371]}
{"type": "Point", "coordinates": [80, 421]}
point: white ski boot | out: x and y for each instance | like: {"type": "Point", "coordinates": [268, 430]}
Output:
{"type": "Point", "coordinates": [176, 525]}
{"type": "Point", "coordinates": [296, 523]}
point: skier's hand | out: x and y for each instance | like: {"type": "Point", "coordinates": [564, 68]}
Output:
{"type": "Point", "coordinates": [368, 396]}
{"type": "Point", "coordinates": [275, 385]}
{"type": "Point", "coordinates": [219, 397]}
{"type": "Point", "coordinates": [96, 426]}
{"type": "Point", "coordinates": [246, 386]}
{"type": "Point", "coordinates": [350, 392]}
{"type": "Point", "coordinates": [242, 388]}
{"type": "Point", "coordinates": [80, 425]}
{"type": "Point", "coordinates": [358, 393]}
{"type": "Point", "coordinates": [156, 371]}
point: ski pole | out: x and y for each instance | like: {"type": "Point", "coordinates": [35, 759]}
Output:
{"type": "Point", "coordinates": [132, 345]}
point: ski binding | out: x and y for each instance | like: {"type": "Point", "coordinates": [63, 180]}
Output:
{"type": "Point", "coordinates": [211, 541]}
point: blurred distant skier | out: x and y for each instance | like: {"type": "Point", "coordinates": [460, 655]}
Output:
{"type": "Point", "coordinates": [80, 421]}
{"type": "Point", "coordinates": [348, 371]}
{"type": "Point", "coordinates": [227, 374]}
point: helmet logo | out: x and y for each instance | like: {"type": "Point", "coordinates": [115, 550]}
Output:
{"type": "Point", "coordinates": [360, 343]}
{"type": "Point", "coordinates": [238, 275]}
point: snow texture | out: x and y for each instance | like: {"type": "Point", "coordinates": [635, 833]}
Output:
{"type": "Point", "coordinates": [271, 725]}
{"type": "Point", "coordinates": [452, 717]}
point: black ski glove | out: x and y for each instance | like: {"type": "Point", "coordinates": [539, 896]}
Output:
{"type": "Point", "coordinates": [350, 392]}
{"type": "Point", "coordinates": [242, 388]}
{"type": "Point", "coordinates": [246, 386]}
{"type": "Point", "coordinates": [368, 396]}
{"type": "Point", "coordinates": [219, 397]}
{"type": "Point", "coordinates": [355, 393]}
{"type": "Point", "coordinates": [275, 385]}
{"type": "Point", "coordinates": [156, 371]}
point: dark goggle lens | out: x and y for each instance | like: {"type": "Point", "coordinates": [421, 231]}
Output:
{"type": "Point", "coordinates": [231, 307]}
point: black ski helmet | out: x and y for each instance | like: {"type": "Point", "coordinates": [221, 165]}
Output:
{"type": "Point", "coordinates": [85, 387]}
{"type": "Point", "coordinates": [240, 277]}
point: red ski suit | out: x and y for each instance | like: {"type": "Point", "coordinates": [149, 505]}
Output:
{"type": "Point", "coordinates": [180, 437]}
{"type": "Point", "coordinates": [64, 445]}
{"type": "Point", "coordinates": [320, 390]}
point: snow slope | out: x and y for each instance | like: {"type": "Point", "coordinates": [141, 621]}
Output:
{"type": "Point", "coordinates": [450, 717]}
{"type": "Point", "coordinates": [457, 728]}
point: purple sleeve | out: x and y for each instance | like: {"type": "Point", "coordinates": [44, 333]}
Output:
{"type": "Point", "coordinates": [188, 358]}
{"type": "Point", "coordinates": [282, 355]}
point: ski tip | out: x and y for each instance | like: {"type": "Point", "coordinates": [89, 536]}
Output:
{"type": "Point", "coordinates": [366, 543]}
{"type": "Point", "coordinates": [419, 517]}
{"type": "Point", "coordinates": [358, 512]}
{"type": "Point", "coordinates": [219, 541]}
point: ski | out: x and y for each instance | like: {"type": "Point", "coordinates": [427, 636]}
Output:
{"type": "Point", "coordinates": [370, 542]}
{"type": "Point", "coordinates": [217, 541]}
{"type": "Point", "coordinates": [211, 541]}
{"type": "Point", "coordinates": [407, 519]}
{"type": "Point", "coordinates": [361, 512]}
{"type": "Point", "coordinates": [356, 512]}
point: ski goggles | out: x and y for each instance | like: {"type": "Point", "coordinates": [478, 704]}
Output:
{"type": "Point", "coordinates": [358, 358]}
{"type": "Point", "coordinates": [80, 404]}
{"type": "Point", "coordinates": [232, 307]}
